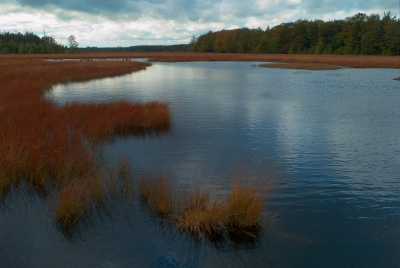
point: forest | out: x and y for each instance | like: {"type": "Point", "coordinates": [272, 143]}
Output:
{"type": "Point", "coordinates": [30, 43]}
{"type": "Point", "coordinates": [360, 34]}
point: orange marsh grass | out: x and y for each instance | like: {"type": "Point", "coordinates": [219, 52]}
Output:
{"type": "Point", "coordinates": [78, 196]}
{"type": "Point", "coordinates": [200, 211]}
{"type": "Point", "coordinates": [43, 144]}
{"type": "Point", "coordinates": [245, 206]}
{"type": "Point", "coordinates": [156, 193]}
{"type": "Point", "coordinates": [241, 210]}
{"type": "Point", "coordinates": [200, 215]}
{"type": "Point", "coordinates": [353, 61]}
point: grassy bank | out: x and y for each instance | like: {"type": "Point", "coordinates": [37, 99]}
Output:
{"type": "Point", "coordinates": [337, 60]}
{"type": "Point", "coordinates": [52, 148]}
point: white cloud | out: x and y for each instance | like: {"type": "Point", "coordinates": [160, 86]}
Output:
{"type": "Point", "coordinates": [136, 22]}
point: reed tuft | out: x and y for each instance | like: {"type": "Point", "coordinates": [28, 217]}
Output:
{"type": "Point", "coordinates": [156, 193]}
{"type": "Point", "coordinates": [245, 206]}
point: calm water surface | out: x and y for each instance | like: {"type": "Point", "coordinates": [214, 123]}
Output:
{"type": "Point", "coordinates": [336, 135]}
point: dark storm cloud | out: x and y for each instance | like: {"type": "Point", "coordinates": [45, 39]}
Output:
{"type": "Point", "coordinates": [95, 7]}
{"type": "Point", "coordinates": [204, 10]}
{"type": "Point", "coordinates": [167, 9]}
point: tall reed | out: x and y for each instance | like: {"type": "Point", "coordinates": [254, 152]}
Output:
{"type": "Point", "coordinates": [156, 192]}
{"type": "Point", "coordinates": [200, 215]}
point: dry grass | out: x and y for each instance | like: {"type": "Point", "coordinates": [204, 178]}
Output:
{"type": "Point", "coordinates": [337, 60]}
{"type": "Point", "coordinates": [241, 211]}
{"type": "Point", "coordinates": [42, 144]}
{"type": "Point", "coordinates": [157, 194]}
{"type": "Point", "coordinates": [301, 66]}
{"type": "Point", "coordinates": [245, 205]}
{"type": "Point", "coordinates": [78, 196]}
{"type": "Point", "coordinates": [200, 215]}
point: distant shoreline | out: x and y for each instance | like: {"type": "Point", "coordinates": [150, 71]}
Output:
{"type": "Point", "coordinates": [352, 61]}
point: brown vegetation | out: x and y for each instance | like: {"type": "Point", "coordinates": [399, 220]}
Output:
{"type": "Point", "coordinates": [157, 194]}
{"type": "Point", "coordinates": [301, 66]}
{"type": "Point", "coordinates": [338, 60]}
{"type": "Point", "coordinates": [46, 146]}
{"type": "Point", "coordinates": [398, 78]}
{"type": "Point", "coordinates": [198, 213]}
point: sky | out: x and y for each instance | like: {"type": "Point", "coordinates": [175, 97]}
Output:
{"type": "Point", "coordinates": [111, 23]}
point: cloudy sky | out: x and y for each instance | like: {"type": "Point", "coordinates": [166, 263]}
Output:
{"type": "Point", "coordinates": [105, 23]}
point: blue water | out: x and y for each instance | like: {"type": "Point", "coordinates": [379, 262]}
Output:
{"type": "Point", "coordinates": [333, 135]}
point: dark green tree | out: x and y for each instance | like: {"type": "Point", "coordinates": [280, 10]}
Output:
{"type": "Point", "coordinates": [73, 44]}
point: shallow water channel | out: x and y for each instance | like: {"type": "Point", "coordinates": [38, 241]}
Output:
{"type": "Point", "coordinates": [335, 139]}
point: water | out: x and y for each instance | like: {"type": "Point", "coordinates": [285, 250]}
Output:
{"type": "Point", "coordinates": [336, 135]}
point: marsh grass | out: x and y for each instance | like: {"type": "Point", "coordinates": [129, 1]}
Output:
{"type": "Point", "coordinates": [156, 193]}
{"type": "Point", "coordinates": [242, 211]}
{"type": "Point", "coordinates": [203, 211]}
{"type": "Point", "coordinates": [51, 147]}
{"type": "Point", "coordinates": [301, 66]}
{"type": "Point", "coordinates": [353, 61]}
{"type": "Point", "coordinates": [245, 206]}
{"type": "Point", "coordinates": [46, 146]}
{"type": "Point", "coordinates": [79, 196]}
{"type": "Point", "coordinates": [199, 215]}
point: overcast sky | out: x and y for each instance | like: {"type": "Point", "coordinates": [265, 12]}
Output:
{"type": "Point", "coordinates": [105, 23]}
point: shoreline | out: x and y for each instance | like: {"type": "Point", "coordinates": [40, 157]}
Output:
{"type": "Point", "coordinates": [352, 61]}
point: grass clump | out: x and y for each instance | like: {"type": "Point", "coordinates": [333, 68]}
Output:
{"type": "Point", "coordinates": [156, 193]}
{"type": "Point", "coordinates": [241, 211]}
{"type": "Point", "coordinates": [77, 197]}
{"type": "Point", "coordinates": [245, 206]}
{"type": "Point", "coordinates": [200, 215]}
{"type": "Point", "coordinates": [71, 204]}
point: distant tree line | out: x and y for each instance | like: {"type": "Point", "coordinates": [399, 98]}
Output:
{"type": "Point", "coordinates": [29, 43]}
{"type": "Point", "coordinates": [150, 48]}
{"type": "Point", "coordinates": [360, 34]}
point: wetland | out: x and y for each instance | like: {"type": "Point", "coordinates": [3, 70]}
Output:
{"type": "Point", "coordinates": [327, 140]}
